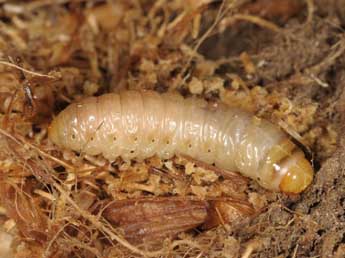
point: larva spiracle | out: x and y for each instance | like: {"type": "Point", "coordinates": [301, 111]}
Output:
{"type": "Point", "coordinates": [140, 124]}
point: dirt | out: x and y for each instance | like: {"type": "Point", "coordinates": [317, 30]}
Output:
{"type": "Point", "coordinates": [314, 226]}
{"type": "Point", "coordinates": [297, 81]}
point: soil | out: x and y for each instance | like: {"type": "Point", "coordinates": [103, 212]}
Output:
{"type": "Point", "coordinates": [314, 226]}
{"type": "Point", "coordinates": [297, 49]}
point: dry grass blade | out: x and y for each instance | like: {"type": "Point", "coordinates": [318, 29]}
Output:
{"type": "Point", "coordinates": [22, 141]}
{"type": "Point", "coordinates": [253, 19]}
{"type": "Point", "coordinates": [26, 70]}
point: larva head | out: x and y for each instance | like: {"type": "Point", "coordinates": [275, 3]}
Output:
{"type": "Point", "coordinates": [298, 173]}
{"type": "Point", "coordinates": [286, 169]}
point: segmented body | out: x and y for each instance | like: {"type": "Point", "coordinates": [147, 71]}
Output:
{"type": "Point", "coordinates": [140, 124]}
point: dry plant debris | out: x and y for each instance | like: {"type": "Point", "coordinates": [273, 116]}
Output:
{"type": "Point", "coordinates": [283, 62]}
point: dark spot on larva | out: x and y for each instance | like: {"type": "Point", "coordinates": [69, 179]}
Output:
{"type": "Point", "coordinates": [91, 139]}
{"type": "Point", "coordinates": [135, 138]}
{"type": "Point", "coordinates": [153, 140]}
{"type": "Point", "coordinates": [132, 151]}
{"type": "Point", "coordinates": [208, 150]}
{"type": "Point", "coordinates": [168, 142]}
{"type": "Point", "coordinates": [190, 145]}
{"type": "Point", "coordinates": [114, 138]}
{"type": "Point", "coordinates": [73, 136]}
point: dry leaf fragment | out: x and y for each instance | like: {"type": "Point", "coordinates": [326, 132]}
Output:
{"type": "Point", "coordinates": [227, 212]}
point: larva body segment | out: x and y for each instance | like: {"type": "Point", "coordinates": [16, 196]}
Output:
{"type": "Point", "coordinates": [140, 124]}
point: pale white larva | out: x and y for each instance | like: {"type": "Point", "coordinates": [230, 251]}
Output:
{"type": "Point", "coordinates": [140, 124]}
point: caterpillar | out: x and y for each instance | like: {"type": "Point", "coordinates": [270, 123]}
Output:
{"type": "Point", "coordinates": [140, 124]}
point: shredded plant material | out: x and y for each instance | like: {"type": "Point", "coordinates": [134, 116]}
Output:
{"type": "Point", "coordinates": [281, 61]}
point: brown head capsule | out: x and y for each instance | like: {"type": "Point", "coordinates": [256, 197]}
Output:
{"type": "Point", "coordinates": [288, 168]}
{"type": "Point", "coordinates": [140, 124]}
